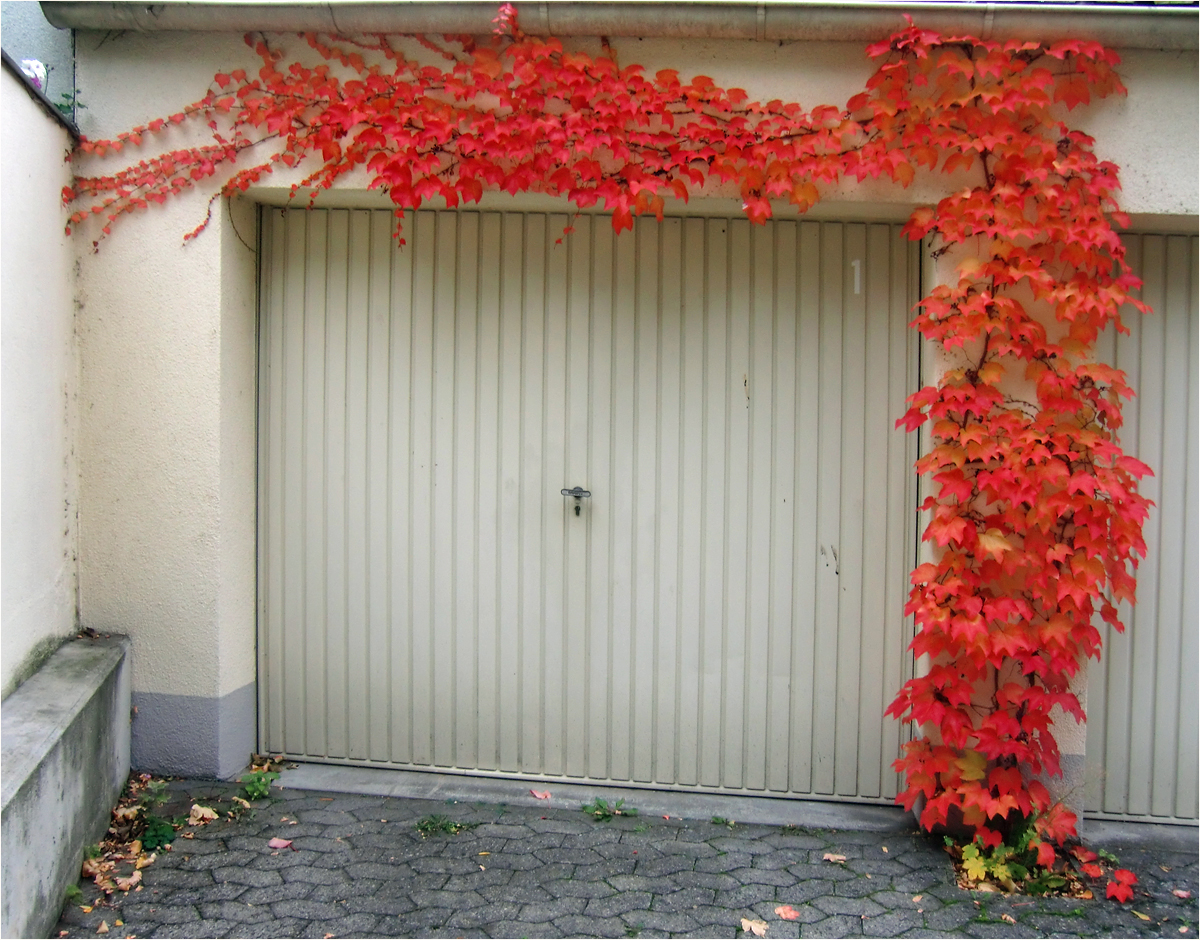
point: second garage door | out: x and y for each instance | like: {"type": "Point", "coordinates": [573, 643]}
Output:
{"type": "Point", "coordinates": [725, 610]}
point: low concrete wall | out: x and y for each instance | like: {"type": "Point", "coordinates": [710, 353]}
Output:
{"type": "Point", "coordinates": [65, 759]}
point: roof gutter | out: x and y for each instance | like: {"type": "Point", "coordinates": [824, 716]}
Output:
{"type": "Point", "coordinates": [1119, 25]}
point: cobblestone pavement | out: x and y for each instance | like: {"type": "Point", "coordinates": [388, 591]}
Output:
{"type": "Point", "coordinates": [358, 867]}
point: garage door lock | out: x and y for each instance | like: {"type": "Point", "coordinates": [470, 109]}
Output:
{"type": "Point", "coordinates": [579, 493]}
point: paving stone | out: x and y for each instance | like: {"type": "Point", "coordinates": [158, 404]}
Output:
{"type": "Point", "coordinates": [803, 891]}
{"type": "Point", "coordinates": [720, 881]}
{"type": "Point", "coordinates": [747, 895]}
{"type": "Point", "coordinates": [666, 921]}
{"type": "Point", "coordinates": [333, 893]}
{"type": "Point", "coordinates": [763, 876]}
{"type": "Point", "coordinates": [306, 910]}
{"type": "Point", "coordinates": [454, 899]}
{"type": "Point", "coordinates": [569, 856]}
{"type": "Point", "coordinates": [572, 826]}
{"type": "Point", "coordinates": [839, 925]}
{"type": "Point", "coordinates": [212, 892]}
{"type": "Point", "coordinates": [502, 831]}
{"type": "Point", "coordinates": [542, 911]}
{"type": "Point", "coordinates": [284, 858]}
{"type": "Point", "coordinates": [639, 882]}
{"type": "Point", "coordinates": [517, 928]}
{"type": "Point", "coordinates": [346, 925]}
{"type": "Point", "coordinates": [606, 869]}
{"type": "Point", "coordinates": [393, 904]}
{"type": "Point", "coordinates": [728, 861]}
{"type": "Point", "coordinates": [741, 845]}
{"type": "Point", "coordinates": [482, 916]}
{"type": "Point", "coordinates": [443, 866]}
{"type": "Point", "coordinates": [618, 904]}
{"type": "Point", "coordinates": [680, 847]}
{"type": "Point", "coordinates": [892, 923]}
{"type": "Point", "coordinates": [476, 880]}
{"type": "Point", "coordinates": [685, 899]}
{"type": "Point", "coordinates": [518, 894]}
{"type": "Point", "coordinates": [376, 871]}
{"type": "Point", "coordinates": [276, 927]}
{"type": "Point", "coordinates": [215, 860]}
{"type": "Point", "coordinates": [249, 876]}
{"type": "Point", "coordinates": [716, 916]}
{"type": "Point", "coordinates": [161, 913]}
{"type": "Point", "coordinates": [528, 862]}
{"type": "Point", "coordinates": [542, 873]}
{"type": "Point", "coordinates": [573, 888]}
{"type": "Point", "coordinates": [860, 887]}
{"type": "Point", "coordinates": [235, 911]}
{"type": "Point", "coordinates": [832, 904]}
{"type": "Point", "coordinates": [664, 865]}
{"type": "Point", "coordinates": [198, 928]}
{"type": "Point", "coordinates": [314, 876]}
{"type": "Point", "coordinates": [579, 925]}
{"type": "Point", "coordinates": [296, 890]}
{"type": "Point", "coordinates": [952, 916]}
{"type": "Point", "coordinates": [585, 840]}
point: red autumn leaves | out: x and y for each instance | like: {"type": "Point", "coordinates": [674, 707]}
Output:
{"type": "Point", "coordinates": [1035, 520]}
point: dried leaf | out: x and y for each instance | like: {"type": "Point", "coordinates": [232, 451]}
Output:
{"type": "Point", "coordinates": [485, 853]}
{"type": "Point", "coordinates": [126, 883]}
{"type": "Point", "coordinates": [917, 898]}
{"type": "Point", "coordinates": [103, 928]}
{"type": "Point", "coordinates": [187, 835]}
{"type": "Point", "coordinates": [1180, 893]}
{"type": "Point", "coordinates": [1008, 918]}
{"type": "Point", "coordinates": [540, 794]}
{"type": "Point", "coordinates": [756, 927]}
{"type": "Point", "coordinates": [201, 815]}
{"type": "Point", "coordinates": [135, 848]}
{"type": "Point", "coordinates": [118, 923]}
{"type": "Point", "coordinates": [87, 908]}
{"type": "Point", "coordinates": [278, 843]}
{"type": "Point", "coordinates": [1139, 915]}
{"type": "Point", "coordinates": [839, 859]}
{"type": "Point", "coordinates": [144, 860]}
{"type": "Point", "coordinates": [787, 912]}
{"type": "Point", "coordinates": [92, 867]}
{"type": "Point", "coordinates": [239, 800]}
{"type": "Point", "coordinates": [885, 848]}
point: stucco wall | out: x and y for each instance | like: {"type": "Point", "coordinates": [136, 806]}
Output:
{"type": "Point", "coordinates": [37, 399]}
{"type": "Point", "coordinates": [167, 342]}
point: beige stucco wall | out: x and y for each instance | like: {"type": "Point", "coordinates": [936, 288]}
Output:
{"type": "Point", "coordinates": [167, 443]}
{"type": "Point", "coordinates": [37, 400]}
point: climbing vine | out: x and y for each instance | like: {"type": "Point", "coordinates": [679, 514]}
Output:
{"type": "Point", "coordinates": [1035, 520]}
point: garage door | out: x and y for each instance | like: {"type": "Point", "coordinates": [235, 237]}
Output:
{"type": "Point", "coordinates": [722, 612]}
{"type": "Point", "coordinates": [1142, 701]}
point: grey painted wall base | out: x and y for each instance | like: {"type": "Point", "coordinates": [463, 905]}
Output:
{"type": "Point", "coordinates": [65, 759]}
{"type": "Point", "coordinates": [194, 736]}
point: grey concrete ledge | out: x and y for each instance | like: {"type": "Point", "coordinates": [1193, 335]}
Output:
{"type": "Point", "coordinates": [65, 759]}
{"type": "Point", "coordinates": [428, 785]}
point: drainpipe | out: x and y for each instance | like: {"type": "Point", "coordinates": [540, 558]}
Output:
{"type": "Point", "coordinates": [1120, 25]}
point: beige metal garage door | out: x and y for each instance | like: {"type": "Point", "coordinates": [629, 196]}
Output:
{"type": "Point", "coordinates": [725, 611]}
{"type": "Point", "coordinates": [1143, 709]}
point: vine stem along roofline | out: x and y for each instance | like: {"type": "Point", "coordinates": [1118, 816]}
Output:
{"type": "Point", "coordinates": [1119, 25]}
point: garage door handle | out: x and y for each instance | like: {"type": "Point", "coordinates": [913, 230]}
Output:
{"type": "Point", "coordinates": [579, 493]}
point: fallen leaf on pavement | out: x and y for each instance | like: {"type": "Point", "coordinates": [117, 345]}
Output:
{"type": "Point", "coordinates": [540, 794]}
{"type": "Point", "coordinates": [830, 857]}
{"type": "Point", "coordinates": [756, 927]}
{"type": "Point", "coordinates": [1180, 893]}
{"type": "Point", "coordinates": [787, 912]}
{"type": "Point", "coordinates": [144, 860]}
{"type": "Point", "coordinates": [1008, 918]}
{"type": "Point", "coordinates": [239, 800]}
{"type": "Point", "coordinates": [187, 835]}
{"type": "Point", "coordinates": [135, 848]}
{"type": "Point", "coordinates": [278, 843]}
{"type": "Point", "coordinates": [118, 923]}
{"type": "Point", "coordinates": [885, 848]}
{"type": "Point", "coordinates": [1182, 929]}
{"type": "Point", "coordinates": [103, 928]}
{"type": "Point", "coordinates": [87, 908]}
{"type": "Point", "coordinates": [1140, 916]}
{"type": "Point", "coordinates": [201, 815]}
{"type": "Point", "coordinates": [126, 883]}
{"type": "Point", "coordinates": [917, 898]}
{"type": "Point", "coordinates": [485, 853]}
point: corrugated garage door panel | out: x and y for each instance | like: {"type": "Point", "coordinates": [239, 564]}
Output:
{"type": "Point", "coordinates": [1142, 699]}
{"type": "Point", "coordinates": [725, 613]}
